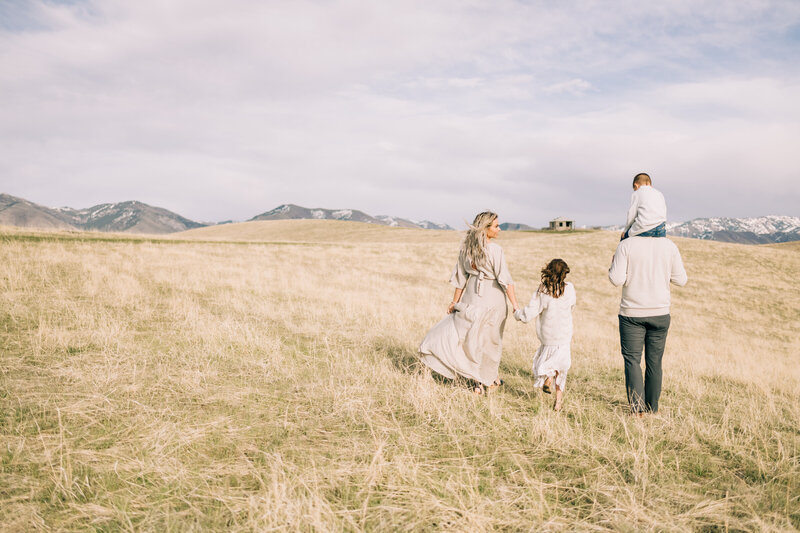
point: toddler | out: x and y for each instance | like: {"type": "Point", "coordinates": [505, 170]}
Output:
{"type": "Point", "coordinates": [552, 303]}
{"type": "Point", "coordinates": [647, 215]}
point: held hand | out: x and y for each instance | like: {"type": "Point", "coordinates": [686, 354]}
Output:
{"type": "Point", "coordinates": [450, 308]}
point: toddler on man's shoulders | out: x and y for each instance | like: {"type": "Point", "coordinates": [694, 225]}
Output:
{"type": "Point", "coordinates": [647, 215]}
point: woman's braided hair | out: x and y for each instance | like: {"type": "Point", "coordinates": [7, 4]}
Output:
{"type": "Point", "coordinates": [553, 276]}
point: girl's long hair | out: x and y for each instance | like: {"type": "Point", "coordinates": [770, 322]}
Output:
{"type": "Point", "coordinates": [553, 276]}
{"type": "Point", "coordinates": [474, 246]}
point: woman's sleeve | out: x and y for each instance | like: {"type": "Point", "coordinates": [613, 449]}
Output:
{"type": "Point", "coordinates": [501, 271]}
{"type": "Point", "coordinates": [532, 310]}
{"type": "Point", "coordinates": [458, 278]}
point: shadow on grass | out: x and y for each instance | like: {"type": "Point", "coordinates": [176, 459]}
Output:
{"type": "Point", "coordinates": [399, 354]}
{"type": "Point", "coordinates": [602, 388]}
{"type": "Point", "coordinates": [518, 381]}
{"type": "Point", "coordinates": [407, 360]}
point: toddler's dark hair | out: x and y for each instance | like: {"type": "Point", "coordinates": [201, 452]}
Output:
{"type": "Point", "coordinates": [553, 276]}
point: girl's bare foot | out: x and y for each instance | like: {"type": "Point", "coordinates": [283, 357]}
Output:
{"type": "Point", "coordinates": [559, 399]}
{"type": "Point", "coordinates": [547, 384]}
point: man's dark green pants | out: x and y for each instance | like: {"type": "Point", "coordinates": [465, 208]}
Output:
{"type": "Point", "coordinates": [648, 333]}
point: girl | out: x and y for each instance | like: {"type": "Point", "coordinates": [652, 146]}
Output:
{"type": "Point", "coordinates": [554, 301]}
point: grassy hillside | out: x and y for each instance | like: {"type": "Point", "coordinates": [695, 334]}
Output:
{"type": "Point", "coordinates": [186, 384]}
{"type": "Point", "coordinates": [313, 231]}
{"type": "Point", "coordinates": [792, 245]}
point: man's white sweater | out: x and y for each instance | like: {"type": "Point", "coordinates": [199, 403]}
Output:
{"type": "Point", "coordinates": [645, 266]}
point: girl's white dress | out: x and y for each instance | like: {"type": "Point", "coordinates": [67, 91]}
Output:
{"type": "Point", "coordinates": [554, 329]}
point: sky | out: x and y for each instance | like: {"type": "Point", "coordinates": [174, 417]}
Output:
{"type": "Point", "coordinates": [426, 110]}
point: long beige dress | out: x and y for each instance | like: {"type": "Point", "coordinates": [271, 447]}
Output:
{"type": "Point", "coordinates": [469, 342]}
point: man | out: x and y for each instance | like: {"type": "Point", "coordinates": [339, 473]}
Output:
{"type": "Point", "coordinates": [645, 266]}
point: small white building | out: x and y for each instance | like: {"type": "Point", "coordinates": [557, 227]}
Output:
{"type": "Point", "coordinates": [561, 224]}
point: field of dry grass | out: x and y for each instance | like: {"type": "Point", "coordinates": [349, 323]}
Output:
{"type": "Point", "coordinates": [262, 376]}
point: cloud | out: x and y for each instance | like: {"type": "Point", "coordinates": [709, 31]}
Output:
{"type": "Point", "coordinates": [573, 87]}
{"type": "Point", "coordinates": [426, 110]}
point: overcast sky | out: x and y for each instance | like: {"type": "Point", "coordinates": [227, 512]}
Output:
{"type": "Point", "coordinates": [421, 109]}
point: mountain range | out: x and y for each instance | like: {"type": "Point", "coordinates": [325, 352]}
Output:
{"type": "Point", "coordinates": [756, 230]}
{"type": "Point", "coordinates": [128, 217]}
{"type": "Point", "coordinates": [291, 211]}
{"type": "Point", "coordinates": [138, 217]}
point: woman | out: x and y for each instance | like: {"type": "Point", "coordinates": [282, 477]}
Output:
{"type": "Point", "coordinates": [468, 342]}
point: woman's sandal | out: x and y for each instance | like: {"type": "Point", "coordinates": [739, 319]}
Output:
{"type": "Point", "coordinates": [547, 383]}
{"type": "Point", "coordinates": [495, 384]}
{"type": "Point", "coordinates": [479, 390]}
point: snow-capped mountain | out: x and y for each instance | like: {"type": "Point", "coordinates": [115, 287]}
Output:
{"type": "Point", "coordinates": [756, 230]}
{"type": "Point", "coordinates": [396, 222]}
{"type": "Point", "coordinates": [291, 211]}
{"type": "Point", "coordinates": [427, 224]}
{"type": "Point", "coordinates": [128, 217]}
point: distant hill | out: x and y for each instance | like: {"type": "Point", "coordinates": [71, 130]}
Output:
{"type": "Point", "coordinates": [19, 212]}
{"type": "Point", "coordinates": [125, 217]}
{"type": "Point", "coordinates": [291, 211]}
{"type": "Point", "coordinates": [513, 226]}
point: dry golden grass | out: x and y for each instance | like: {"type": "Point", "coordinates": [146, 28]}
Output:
{"type": "Point", "coordinates": [186, 384]}
{"type": "Point", "coordinates": [793, 245]}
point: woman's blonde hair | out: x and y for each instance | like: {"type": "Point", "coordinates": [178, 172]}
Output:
{"type": "Point", "coordinates": [474, 246]}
